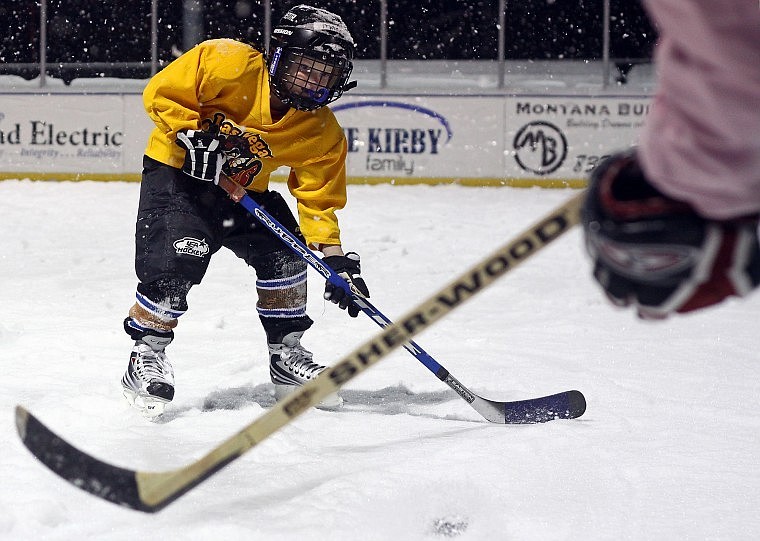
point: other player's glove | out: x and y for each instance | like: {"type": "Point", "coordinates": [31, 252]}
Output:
{"type": "Point", "coordinates": [204, 158]}
{"type": "Point", "coordinates": [658, 254]}
{"type": "Point", "coordinates": [347, 267]}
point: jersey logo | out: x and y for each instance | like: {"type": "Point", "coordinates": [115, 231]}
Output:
{"type": "Point", "coordinates": [244, 149]}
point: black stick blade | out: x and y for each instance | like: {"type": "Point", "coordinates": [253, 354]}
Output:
{"type": "Point", "coordinates": [565, 405]}
{"type": "Point", "coordinates": [111, 483]}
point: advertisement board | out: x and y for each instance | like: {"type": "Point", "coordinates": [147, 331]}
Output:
{"type": "Point", "coordinates": [564, 138]}
{"type": "Point", "coordinates": [515, 140]}
{"type": "Point", "coordinates": [42, 136]}
{"type": "Point", "coordinates": [392, 138]}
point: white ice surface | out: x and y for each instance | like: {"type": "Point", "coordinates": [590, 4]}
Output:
{"type": "Point", "coordinates": [668, 448]}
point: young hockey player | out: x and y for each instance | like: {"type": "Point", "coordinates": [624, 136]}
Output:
{"type": "Point", "coordinates": [223, 108]}
{"type": "Point", "coordinates": [672, 226]}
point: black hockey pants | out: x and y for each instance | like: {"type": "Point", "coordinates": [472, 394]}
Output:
{"type": "Point", "coordinates": [182, 222]}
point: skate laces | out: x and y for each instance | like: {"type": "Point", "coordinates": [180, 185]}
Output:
{"type": "Point", "coordinates": [298, 360]}
{"type": "Point", "coordinates": [152, 365]}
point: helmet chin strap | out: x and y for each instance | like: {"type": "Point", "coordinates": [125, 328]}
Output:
{"type": "Point", "coordinates": [319, 96]}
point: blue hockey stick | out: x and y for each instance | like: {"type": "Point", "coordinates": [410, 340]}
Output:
{"type": "Point", "coordinates": [564, 405]}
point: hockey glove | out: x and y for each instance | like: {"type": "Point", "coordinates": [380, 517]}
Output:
{"type": "Point", "coordinates": [658, 254]}
{"type": "Point", "coordinates": [204, 158]}
{"type": "Point", "coordinates": [347, 267]}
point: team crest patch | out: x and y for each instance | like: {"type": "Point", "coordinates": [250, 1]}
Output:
{"type": "Point", "coordinates": [244, 149]}
{"type": "Point", "coordinates": [191, 246]}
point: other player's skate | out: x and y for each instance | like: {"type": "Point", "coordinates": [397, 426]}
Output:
{"type": "Point", "coordinates": [291, 365]}
{"type": "Point", "coordinates": [149, 380]}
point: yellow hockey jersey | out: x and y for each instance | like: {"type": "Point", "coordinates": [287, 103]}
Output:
{"type": "Point", "coordinates": [223, 84]}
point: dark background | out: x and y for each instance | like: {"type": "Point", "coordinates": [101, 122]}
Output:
{"type": "Point", "coordinates": [116, 31]}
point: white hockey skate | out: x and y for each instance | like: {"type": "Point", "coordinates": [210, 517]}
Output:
{"type": "Point", "coordinates": [149, 380]}
{"type": "Point", "coordinates": [290, 366]}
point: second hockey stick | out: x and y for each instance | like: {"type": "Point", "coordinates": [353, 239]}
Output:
{"type": "Point", "coordinates": [564, 405]}
{"type": "Point", "coordinates": [152, 491]}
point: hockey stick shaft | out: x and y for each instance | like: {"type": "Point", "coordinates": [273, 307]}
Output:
{"type": "Point", "coordinates": [239, 195]}
{"type": "Point", "coordinates": [152, 491]}
{"type": "Point", "coordinates": [491, 411]}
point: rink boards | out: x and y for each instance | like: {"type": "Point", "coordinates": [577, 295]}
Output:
{"type": "Point", "coordinates": [515, 140]}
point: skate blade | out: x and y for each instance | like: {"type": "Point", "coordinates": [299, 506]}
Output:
{"type": "Point", "coordinates": [330, 402]}
{"type": "Point", "coordinates": [150, 407]}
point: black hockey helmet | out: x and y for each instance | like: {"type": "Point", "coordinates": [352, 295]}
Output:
{"type": "Point", "coordinates": [309, 58]}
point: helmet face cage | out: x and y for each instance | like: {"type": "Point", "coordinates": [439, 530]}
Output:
{"type": "Point", "coordinates": [307, 80]}
{"type": "Point", "coordinates": [309, 58]}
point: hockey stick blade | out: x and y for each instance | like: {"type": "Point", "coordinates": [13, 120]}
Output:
{"type": "Point", "coordinates": [492, 411]}
{"type": "Point", "coordinates": [121, 486]}
{"type": "Point", "coordinates": [152, 491]}
{"type": "Point", "coordinates": [564, 405]}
